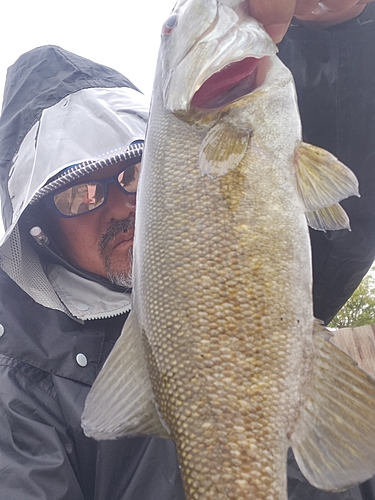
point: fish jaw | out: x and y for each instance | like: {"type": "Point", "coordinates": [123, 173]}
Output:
{"type": "Point", "coordinates": [227, 48]}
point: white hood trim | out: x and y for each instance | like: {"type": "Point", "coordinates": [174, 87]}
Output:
{"type": "Point", "coordinates": [86, 299]}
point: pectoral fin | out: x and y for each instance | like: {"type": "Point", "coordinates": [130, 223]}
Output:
{"type": "Point", "coordinates": [222, 149]}
{"type": "Point", "coordinates": [121, 401]}
{"type": "Point", "coordinates": [322, 182]}
{"type": "Point", "coordinates": [334, 439]}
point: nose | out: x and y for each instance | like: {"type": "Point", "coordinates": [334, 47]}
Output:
{"type": "Point", "coordinates": [130, 200]}
{"type": "Point", "coordinates": [119, 205]}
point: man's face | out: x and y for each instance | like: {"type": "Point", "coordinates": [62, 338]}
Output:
{"type": "Point", "coordinates": [101, 241]}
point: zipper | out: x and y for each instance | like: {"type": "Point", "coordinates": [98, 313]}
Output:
{"type": "Point", "coordinates": [74, 172]}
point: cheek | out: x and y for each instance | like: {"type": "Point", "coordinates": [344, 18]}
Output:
{"type": "Point", "coordinates": [80, 240]}
{"type": "Point", "coordinates": [78, 237]}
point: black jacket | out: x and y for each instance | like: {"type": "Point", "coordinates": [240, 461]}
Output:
{"type": "Point", "coordinates": [44, 454]}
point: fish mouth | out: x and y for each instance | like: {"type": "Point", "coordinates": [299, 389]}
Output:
{"type": "Point", "coordinates": [229, 84]}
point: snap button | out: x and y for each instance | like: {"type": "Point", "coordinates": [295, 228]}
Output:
{"type": "Point", "coordinates": [81, 359]}
{"type": "Point", "coordinates": [82, 307]}
{"type": "Point", "coordinates": [2, 330]}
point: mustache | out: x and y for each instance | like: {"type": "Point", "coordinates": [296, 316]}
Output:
{"type": "Point", "coordinates": [117, 227]}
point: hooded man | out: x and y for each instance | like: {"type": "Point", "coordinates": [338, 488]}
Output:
{"type": "Point", "coordinates": [71, 139]}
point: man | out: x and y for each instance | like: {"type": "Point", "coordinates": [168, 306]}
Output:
{"type": "Point", "coordinates": [71, 136]}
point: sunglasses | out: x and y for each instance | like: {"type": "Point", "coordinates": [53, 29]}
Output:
{"type": "Point", "coordinates": [84, 197]}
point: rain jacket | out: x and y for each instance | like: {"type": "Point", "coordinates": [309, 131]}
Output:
{"type": "Point", "coordinates": [55, 330]}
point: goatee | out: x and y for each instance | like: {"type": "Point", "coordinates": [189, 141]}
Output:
{"type": "Point", "coordinates": [124, 277]}
{"type": "Point", "coordinates": [121, 277]}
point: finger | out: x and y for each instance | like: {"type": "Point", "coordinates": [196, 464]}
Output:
{"type": "Point", "coordinates": [275, 15]}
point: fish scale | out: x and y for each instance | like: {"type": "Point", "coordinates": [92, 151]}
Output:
{"type": "Point", "coordinates": [221, 352]}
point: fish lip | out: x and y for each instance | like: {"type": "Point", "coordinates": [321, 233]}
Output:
{"type": "Point", "coordinates": [246, 85]}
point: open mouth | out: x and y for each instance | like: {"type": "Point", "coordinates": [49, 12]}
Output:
{"type": "Point", "coordinates": [229, 84]}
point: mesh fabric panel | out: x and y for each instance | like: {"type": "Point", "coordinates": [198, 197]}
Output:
{"type": "Point", "coordinates": [21, 263]}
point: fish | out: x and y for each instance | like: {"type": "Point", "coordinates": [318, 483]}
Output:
{"type": "Point", "coordinates": [221, 352]}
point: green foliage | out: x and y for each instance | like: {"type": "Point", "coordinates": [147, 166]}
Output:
{"type": "Point", "coordinates": [359, 310]}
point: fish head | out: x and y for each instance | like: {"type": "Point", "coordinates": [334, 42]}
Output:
{"type": "Point", "coordinates": [212, 53]}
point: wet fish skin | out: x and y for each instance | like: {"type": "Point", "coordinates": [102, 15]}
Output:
{"type": "Point", "coordinates": [219, 352]}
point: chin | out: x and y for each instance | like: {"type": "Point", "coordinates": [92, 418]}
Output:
{"type": "Point", "coordinates": [119, 270]}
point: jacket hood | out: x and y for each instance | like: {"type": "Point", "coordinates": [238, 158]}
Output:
{"type": "Point", "coordinates": [63, 116]}
{"type": "Point", "coordinates": [59, 110]}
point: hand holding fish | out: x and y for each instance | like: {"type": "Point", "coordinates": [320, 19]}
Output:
{"type": "Point", "coordinates": [276, 15]}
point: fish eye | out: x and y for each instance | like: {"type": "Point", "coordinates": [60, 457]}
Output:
{"type": "Point", "coordinates": [169, 24]}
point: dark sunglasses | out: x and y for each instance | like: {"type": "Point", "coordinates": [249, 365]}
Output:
{"type": "Point", "coordinates": [84, 197]}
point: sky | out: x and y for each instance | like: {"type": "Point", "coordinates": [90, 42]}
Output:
{"type": "Point", "coordinates": [122, 34]}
